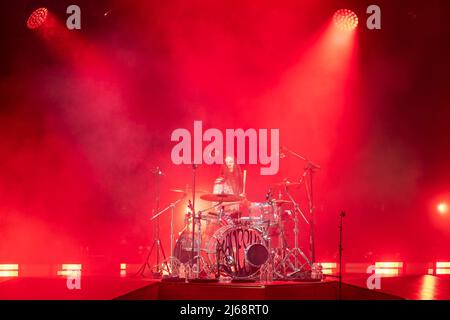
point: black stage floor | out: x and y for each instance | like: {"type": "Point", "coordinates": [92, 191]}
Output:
{"type": "Point", "coordinates": [425, 287]}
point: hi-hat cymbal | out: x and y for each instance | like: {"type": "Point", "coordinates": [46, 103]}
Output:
{"type": "Point", "coordinates": [281, 202]}
{"type": "Point", "coordinates": [221, 197]}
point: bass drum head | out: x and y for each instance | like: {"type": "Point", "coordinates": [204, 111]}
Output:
{"type": "Point", "coordinates": [238, 250]}
{"type": "Point", "coordinates": [257, 254]}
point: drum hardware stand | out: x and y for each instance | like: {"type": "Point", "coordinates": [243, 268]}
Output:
{"type": "Point", "coordinates": [308, 171]}
{"type": "Point", "coordinates": [198, 262]}
{"type": "Point", "coordinates": [268, 266]}
{"type": "Point", "coordinates": [172, 263]}
{"type": "Point", "coordinates": [156, 241]}
{"type": "Point", "coordinates": [296, 252]}
{"type": "Point", "coordinates": [218, 259]}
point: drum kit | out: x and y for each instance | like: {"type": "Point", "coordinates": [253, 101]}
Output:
{"type": "Point", "coordinates": [240, 241]}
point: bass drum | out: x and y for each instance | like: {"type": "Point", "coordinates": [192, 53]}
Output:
{"type": "Point", "coordinates": [183, 246]}
{"type": "Point", "coordinates": [239, 251]}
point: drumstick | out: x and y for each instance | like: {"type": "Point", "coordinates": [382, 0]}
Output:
{"type": "Point", "coordinates": [245, 180]}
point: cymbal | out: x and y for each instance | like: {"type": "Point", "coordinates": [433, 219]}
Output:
{"type": "Point", "coordinates": [221, 197]}
{"type": "Point", "coordinates": [233, 203]}
{"type": "Point", "coordinates": [188, 190]}
{"type": "Point", "coordinates": [281, 202]}
{"type": "Point", "coordinates": [287, 183]}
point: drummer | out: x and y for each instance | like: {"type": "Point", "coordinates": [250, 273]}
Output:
{"type": "Point", "coordinates": [230, 181]}
{"type": "Point", "coordinates": [231, 177]}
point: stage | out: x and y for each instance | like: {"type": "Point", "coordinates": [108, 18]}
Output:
{"type": "Point", "coordinates": [425, 287]}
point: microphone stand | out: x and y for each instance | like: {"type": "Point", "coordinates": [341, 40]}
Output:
{"type": "Point", "coordinates": [156, 240]}
{"type": "Point", "coordinates": [341, 248]}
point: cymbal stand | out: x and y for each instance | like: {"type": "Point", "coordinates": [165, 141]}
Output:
{"type": "Point", "coordinates": [296, 253]}
{"type": "Point", "coordinates": [309, 170]}
{"type": "Point", "coordinates": [172, 261]}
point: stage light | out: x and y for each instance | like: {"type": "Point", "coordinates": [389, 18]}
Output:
{"type": "Point", "coordinates": [442, 271]}
{"type": "Point", "coordinates": [440, 265]}
{"type": "Point", "coordinates": [9, 270]}
{"type": "Point", "coordinates": [69, 270]}
{"type": "Point", "coordinates": [37, 18]}
{"type": "Point", "coordinates": [123, 269]}
{"type": "Point", "coordinates": [442, 208]}
{"type": "Point", "coordinates": [387, 272]}
{"type": "Point", "coordinates": [388, 268]}
{"type": "Point", "coordinates": [389, 265]}
{"type": "Point", "coordinates": [345, 20]}
{"type": "Point", "coordinates": [442, 268]}
{"type": "Point", "coordinates": [329, 267]}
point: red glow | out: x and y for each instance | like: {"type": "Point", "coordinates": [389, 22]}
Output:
{"type": "Point", "coordinates": [37, 18]}
{"type": "Point", "coordinates": [442, 208]}
{"type": "Point", "coordinates": [428, 288]}
{"type": "Point", "coordinates": [345, 19]}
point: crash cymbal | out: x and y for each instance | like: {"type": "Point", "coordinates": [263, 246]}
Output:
{"type": "Point", "coordinates": [287, 183]}
{"type": "Point", "coordinates": [221, 197]}
{"type": "Point", "coordinates": [188, 190]}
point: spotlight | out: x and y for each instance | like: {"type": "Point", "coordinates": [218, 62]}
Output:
{"type": "Point", "coordinates": [442, 208]}
{"type": "Point", "coordinates": [37, 18]}
{"type": "Point", "coordinates": [345, 20]}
